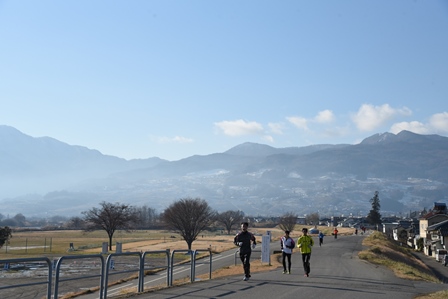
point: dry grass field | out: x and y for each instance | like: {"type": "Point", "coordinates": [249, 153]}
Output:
{"type": "Point", "coordinates": [57, 243]}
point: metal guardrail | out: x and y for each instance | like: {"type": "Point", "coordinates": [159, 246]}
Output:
{"type": "Point", "coordinates": [190, 252]}
{"type": "Point", "coordinates": [195, 263]}
{"type": "Point", "coordinates": [26, 260]}
{"type": "Point", "coordinates": [193, 255]}
{"type": "Point", "coordinates": [77, 257]}
{"type": "Point", "coordinates": [104, 271]}
{"type": "Point", "coordinates": [109, 261]}
{"type": "Point", "coordinates": [143, 268]}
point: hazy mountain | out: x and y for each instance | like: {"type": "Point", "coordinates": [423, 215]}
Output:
{"type": "Point", "coordinates": [261, 150]}
{"type": "Point", "coordinates": [45, 164]}
{"type": "Point", "coordinates": [44, 176]}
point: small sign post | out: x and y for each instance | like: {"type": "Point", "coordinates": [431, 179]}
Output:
{"type": "Point", "coordinates": [265, 249]}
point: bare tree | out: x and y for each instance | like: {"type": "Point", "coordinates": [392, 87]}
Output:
{"type": "Point", "coordinates": [147, 216]}
{"type": "Point", "coordinates": [5, 235]}
{"type": "Point", "coordinates": [230, 219]}
{"type": "Point", "coordinates": [288, 221]}
{"type": "Point", "coordinates": [312, 219]}
{"type": "Point", "coordinates": [188, 217]}
{"type": "Point", "coordinates": [110, 217]}
{"type": "Point", "coordinates": [75, 223]}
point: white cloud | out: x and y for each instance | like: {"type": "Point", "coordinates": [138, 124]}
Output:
{"type": "Point", "coordinates": [299, 122]}
{"type": "Point", "coordinates": [276, 128]}
{"type": "Point", "coordinates": [239, 127]}
{"type": "Point", "coordinates": [176, 139]}
{"type": "Point", "coordinates": [268, 138]}
{"type": "Point", "coordinates": [370, 117]}
{"type": "Point", "coordinates": [413, 126]}
{"type": "Point", "coordinates": [325, 116]}
{"type": "Point", "coordinates": [439, 122]}
{"type": "Point", "coordinates": [322, 117]}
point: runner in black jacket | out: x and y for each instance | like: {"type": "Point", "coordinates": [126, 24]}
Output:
{"type": "Point", "coordinates": [243, 239]}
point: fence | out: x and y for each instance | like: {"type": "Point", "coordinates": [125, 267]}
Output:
{"type": "Point", "coordinates": [26, 245]}
{"type": "Point", "coordinates": [7, 264]}
{"type": "Point", "coordinates": [78, 257]}
{"type": "Point", "coordinates": [193, 255]}
{"type": "Point", "coordinates": [104, 270]}
{"type": "Point", "coordinates": [46, 245]}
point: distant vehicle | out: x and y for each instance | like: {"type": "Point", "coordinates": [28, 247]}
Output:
{"type": "Point", "coordinates": [313, 231]}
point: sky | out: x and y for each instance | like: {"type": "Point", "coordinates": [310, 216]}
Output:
{"type": "Point", "coordinates": [173, 79]}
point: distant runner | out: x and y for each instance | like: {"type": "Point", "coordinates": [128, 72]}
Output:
{"type": "Point", "coordinates": [321, 238]}
{"type": "Point", "coordinates": [335, 233]}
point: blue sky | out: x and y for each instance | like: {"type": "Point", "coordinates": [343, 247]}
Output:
{"type": "Point", "coordinates": [171, 79]}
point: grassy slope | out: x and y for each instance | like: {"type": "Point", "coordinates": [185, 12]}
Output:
{"type": "Point", "coordinates": [385, 252]}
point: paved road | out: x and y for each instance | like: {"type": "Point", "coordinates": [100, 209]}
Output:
{"type": "Point", "coordinates": [336, 272]}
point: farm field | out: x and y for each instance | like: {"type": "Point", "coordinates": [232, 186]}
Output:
{"type": "Point", "coordinates": [57, 243]}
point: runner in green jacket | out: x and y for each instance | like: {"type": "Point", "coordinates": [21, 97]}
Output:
{"type": "Point", "coordinates": [304, 243]}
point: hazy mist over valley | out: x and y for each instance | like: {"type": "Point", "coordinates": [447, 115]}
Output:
{"type": "Point", "coordinates": [45, 177]}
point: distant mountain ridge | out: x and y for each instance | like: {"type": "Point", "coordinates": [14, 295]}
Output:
{"type": "Point", "coordinates": [47, 164]}
{"type": "Point", "coordinates": [261, 150]}
{"type": "Point", "coordinates": [408, 169]}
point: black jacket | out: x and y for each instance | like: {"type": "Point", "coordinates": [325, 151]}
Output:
{"type": "Point", "coordinates": [245, 237]}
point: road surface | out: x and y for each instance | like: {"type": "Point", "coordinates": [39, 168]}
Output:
{"type": "Point", "coordinates": [336, 272]}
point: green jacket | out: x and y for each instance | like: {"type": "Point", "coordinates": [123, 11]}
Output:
{"type": "Point", "coordinates": [304, 243]}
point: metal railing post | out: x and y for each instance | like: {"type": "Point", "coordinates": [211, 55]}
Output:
{"type": "Point", "coordinates": [108, 262]}
{"type": "Point", "coordinates": [24, 260]}
{"type": "Point", "coordinates": [190, 252]}
{"type": "Point", "coordinates": [167, 252]}
{"type": "Point", "coordinates": [74, 257]}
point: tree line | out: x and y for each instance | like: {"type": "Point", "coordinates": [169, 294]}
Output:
{"type": "Point", "coordinates": [188, 217]}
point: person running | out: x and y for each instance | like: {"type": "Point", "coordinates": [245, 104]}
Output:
{"type": "Point", "coordinates": [287, 244]}
{"type": "Point", "coordinates": [321, 238]}
{"type": "Point", "coordinates": [244, 239]}
{"type": "Point", "coordinates": [305, 243]}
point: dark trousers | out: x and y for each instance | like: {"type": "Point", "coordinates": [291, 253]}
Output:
{"type": "Point", "coordinates": [286, 256]}
{"type": "Point", "coordinates": [321, 241]}
{"type": "Point", "coordinates": [306, 262]}
{"type": "Point", "coordinates": [245, 259]}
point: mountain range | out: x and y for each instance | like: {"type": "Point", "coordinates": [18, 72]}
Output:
{"type": "Point", "coordinates": [43, 177]}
